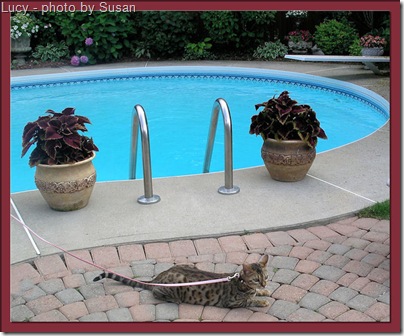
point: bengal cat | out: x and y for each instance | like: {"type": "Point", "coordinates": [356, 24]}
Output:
{"type": "Point", "coordinates": [238, 292]}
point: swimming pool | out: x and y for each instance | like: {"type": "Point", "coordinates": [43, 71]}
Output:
{"type": "Point", "coordinates": [178, 102]}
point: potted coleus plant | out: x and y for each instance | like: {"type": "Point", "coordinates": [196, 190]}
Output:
{"type": "Point", "coordinates": [65, 174]}
{"type": "Point", "coordinates": [372, 45]}
{"type": "Point", "coordinates": [290, 132]}
{"type": "Point", "coordinates": [299, 41]}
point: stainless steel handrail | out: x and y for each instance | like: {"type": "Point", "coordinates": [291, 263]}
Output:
{"type": "Point", "coordinates": [220, 104]}
{"type": "Point", "coordinates": [140, 120]}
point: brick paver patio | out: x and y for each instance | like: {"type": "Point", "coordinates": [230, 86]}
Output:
{"type": "Point", "coordinates": [335, 272]}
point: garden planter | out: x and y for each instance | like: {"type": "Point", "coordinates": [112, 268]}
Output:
{"type": "Point", "coordinates": [372, 51]}
{"type": "Point", "coordinates": [300, 47]}
{"type": "Point", "coordinates": [287, 160]}
{"type": "Point", "coordinates": [66, 187]}
{"type": "Point", "coordinates": [19, 47]}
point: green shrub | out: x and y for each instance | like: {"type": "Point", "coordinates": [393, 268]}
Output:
{"type": "Point", "coordinates": [200, 50]}
{"type": "Point", "coordinates": [164, 33]}
{"type": "Point", "coordinates": [222, 26]}
{"type": "Point", "coordinates": [271, 50]}
{"type": "Point", "coordinates": [334, 37]}
{"type": "Point", "coordinates": [355, 48]}
{"type": "Point", "coordinates": [111, 33]}
{"type": "Point", "coordinates": [53, 52]}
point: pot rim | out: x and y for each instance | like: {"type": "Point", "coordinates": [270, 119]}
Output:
{"type": "Point", "coordinates": [290, 141]}
{"type": "Point", "coordinates": [59, 166]}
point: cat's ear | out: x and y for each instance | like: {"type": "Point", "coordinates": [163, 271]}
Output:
{"type": "Point", "coordinates": [264, 260]}
{"type": "Point", "coordinates": [247, 269]}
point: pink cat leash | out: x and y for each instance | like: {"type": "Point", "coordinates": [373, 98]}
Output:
{"type": "Point", "coordinates": [196, 283]}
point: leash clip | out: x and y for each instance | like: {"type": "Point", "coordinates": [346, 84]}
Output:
{"type": "Point", "coordinates": [236, 275]}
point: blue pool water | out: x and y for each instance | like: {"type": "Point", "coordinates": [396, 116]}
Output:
{"type": "Point", "coordinates": [178, 105]}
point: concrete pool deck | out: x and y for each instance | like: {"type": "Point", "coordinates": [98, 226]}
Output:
{"type": "Point", "coordinates": [336, 187]}
{"type": "Point", "coordinates": [326, 264]}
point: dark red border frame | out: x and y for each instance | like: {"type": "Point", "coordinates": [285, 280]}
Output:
{"type": "Point", "coordinates": [393, 326]}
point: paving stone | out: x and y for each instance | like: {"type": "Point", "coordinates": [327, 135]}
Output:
{"type": "Point", "coordinates": [322, 231]}
{"type": "Point", "coordinates": [33, 293]}
{"type": "Point", "coordinates": [21, 313]}
{"type": "Point", "coordinates": [188, 311]}
{"type": "Point", "coordinates": [347, 279]}
{"type": "Point", "coordinates": [302, 235]}
{"type": "Point", "coordinates": [379, 275]}
{"type": "Point", "coordinates": [51, 267]}
{"type": "Point", "coordinates": [305, 281]}
{"type": "Point", "coordinates": [101, 304]}
{"type": "Point", "coordinates": [343, 229]}
{"type": "Point", "coordinates": [106, 256]}
{"type": "Point", "coordinates": [52, 286]}
{"type": "Point", "coordinates": [300, 252]}
{"type": "Point", "coordinates": [356, 254]}
{"type": "Point", "coordinates": [23, 286]}
{"type": "Point", "coordinates": [236, 257]}
{"type": "Point", "coordinates": [74, 280]}
{"type": "Point", "coordinates": [307, 266]}
{"type": "Point", "coordinates": [143, 312]}
{"type": "Point", "coordinates": [365, 223]}
{"type": "Point", "coordinates": [381, 226]}
{"type": "Point", "coordinates": [203, 258]}
{"type": "Point", "coordinates": [358, 234]}
{"type": "Point", "coordinates": [317, 244]}
{"type": "Point", "coordinates": [338, 261]}
{"type": "Point", "coordinates": [289, 293]}
{"type": "Point", "coordinates": [132, 252]}
{"type": "Point", "coordinates": [238, 315]}
{"type": "Point", "coordinates": [373, 259]}
{"type": "Point", "coordinates": [374, 289]}
{"type": "Point", "coordinates": [285, 276]}
{"type": "Point", "coordinates": [358, 267]}
{"type": "Point", "coordinates": [167, 311]}
{"type": "Point", "coordinates": [207, 246]}
{"type": "Point", "coordinates": [319, 256]}
{"type": "Point", "coordinates": [157, 250]}
{"type": "Point", "coordinates": [354, 316]}
{"type": "Point", "coordinates": [328, 273]}
{"type": "Point", "coordinates": [348, 221]}
{"type": "Point", "coordinates": [305, 315]}
{"type": "Point", "coordinates": [280, 262]}
{"type": "Point", "coordinates": [119, 315]}
{"type": "Point", "coordinates": [281, 250]}
{"type": "Point", "coordinates": [378, 311]}
{"type": "Point", "coordinates": [374, 236]}
{"type": "Point", "coordinates": [74, 311]}
{"type": "Point", "coordinates": [162, 267]}
{"type": "Point", "coordinates": [313, 301]}
{"type": "Point", "coordinates": [16, 301]}
{"type": "Point", "coordinates": [335, 239]}
{"type": "Point", "coordinates": [338, 249]}
{"type": "Point", "coordinates": [182, 248]}
{"type": "Point", "coordinates": [356, 242]}
{"type": "Point", "coordinates": [226, 268]}
{"type": "Point", "coordinates": [324, 287]}
{"type": "Point", "coordinates": [219, 258]}
{"type": "Point", "coordinates": [92, 290]}
{"type": "Point", "coordinates": [256, 241]}
{"type": "Point", "coordinates": [333, 309]}
{"type": "Point", "coordinates": [50, 316]}
{"type": "Point", "coordinates": [94, 317]}
{"type": "Point", "coordinates": [206, 266]}
{"type": "Point", "coordinates": [385, 265]}
{"type": "Point", "coordinates": [69, 295]}
{"type": "Point", "coordinates": [343, 294]}
{"type": "Point", "coordinates": [44, 304]}
{"type": "Point", "coordinates": [89, 277]}
{"type": "Point", "coordinates": [232, 243]}
{"type": "Point", "coordinates": [282, 309]}
{"type": "Point", "coordinates": [280, 238]}
{"type": "Point", "coordinates": [77, 266]}
{"type": "Point", "coordinates": [359, 283]}
{"type": "Point", "coordinates": [126, 299]}
{"type": "Point", "coordinates": [142, 270]}
{"type": "Point", "coordinates": [379, 248]}
{"type": "Point", "coordinates": [147, 297]}
{"type": "Point", "coordinates": [214, 313]}
{"type": "Point", "coordinates": [361, 302]}
{"type": "Point", "coordinates": [261, 317]}
{"type": "Point", "coordinates": [385, 298]}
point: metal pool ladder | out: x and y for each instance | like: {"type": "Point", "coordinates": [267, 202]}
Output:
{"type": "Point", "coordinates": [140, 120]}
{"type": "Point", "coordinates": [220, 104]}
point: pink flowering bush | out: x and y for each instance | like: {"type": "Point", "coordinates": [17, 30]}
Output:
{"type": "Point", "coordinates": [299, 36]}
{"type": "Point", "coordinates": [370, 41]}
{"type": "Point", "coordinates": [75, 61]}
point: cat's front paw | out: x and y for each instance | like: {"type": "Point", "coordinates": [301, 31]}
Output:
{"type": "Point", "coordinates": [261, 303]}
{"type": "Point", "coordinates": [263, 292]}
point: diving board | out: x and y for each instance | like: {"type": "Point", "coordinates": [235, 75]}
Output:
{"type": "Point", "coordinates": [367, 60]}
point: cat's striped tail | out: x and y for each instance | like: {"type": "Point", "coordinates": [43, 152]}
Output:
{"type": "Point", "coordinates": [119, 278]}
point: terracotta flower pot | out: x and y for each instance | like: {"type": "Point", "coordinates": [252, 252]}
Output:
{"type": "Point", "coordinates": [287, 160]}
{"type": "Point", "coordinates": [66, 187]}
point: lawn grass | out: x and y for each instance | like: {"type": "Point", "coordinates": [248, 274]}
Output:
{"type": "Point", "coordinates": [380, 210]}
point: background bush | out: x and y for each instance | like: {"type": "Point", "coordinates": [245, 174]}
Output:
{"type": "Point", "coordinates": [334, 37]}
{"type": "Point", "coordinates": [271, 51]}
